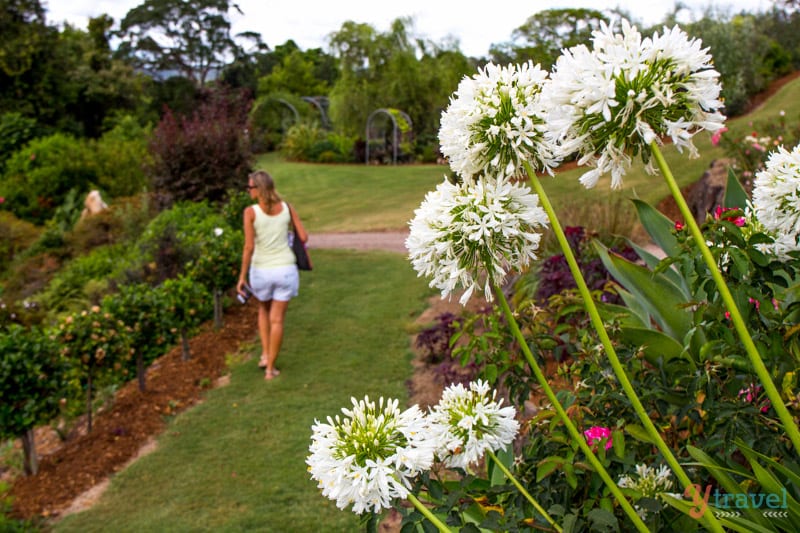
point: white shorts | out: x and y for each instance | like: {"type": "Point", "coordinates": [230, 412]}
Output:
{"type": "Point", "coordinates": [277, 283]}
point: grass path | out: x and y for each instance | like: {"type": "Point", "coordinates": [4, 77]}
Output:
{"type": "Point", "coordinates": [236, 462]}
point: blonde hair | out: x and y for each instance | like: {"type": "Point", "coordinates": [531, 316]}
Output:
{"type": "Point", "coordinates": [265, 188]}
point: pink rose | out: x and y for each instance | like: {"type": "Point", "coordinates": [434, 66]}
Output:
{"type": "Point", "coordinates": [596, 434]}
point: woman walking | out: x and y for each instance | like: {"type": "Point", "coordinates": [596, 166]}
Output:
{"type": "Point", "coordinates": [270, 263]}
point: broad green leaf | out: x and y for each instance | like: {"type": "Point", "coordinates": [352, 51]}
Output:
{"type": "Point", "coordinates": [735, 195]}
{"type": "Point", "coordinates": [670, 272]}
{"type": "Point", "coordinates": [660, 297]}
{"type": "Point", "coordinates": [658, 227]}
{"type": "Point", "coordinates": [496, 476]}
{"type": "Point", "coordinates": [638, 433]}
{"type": "Point", "coordinates": [656, 345]}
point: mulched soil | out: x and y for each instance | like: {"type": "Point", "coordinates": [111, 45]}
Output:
{"type": "Point", "coordinates": [120, 431]}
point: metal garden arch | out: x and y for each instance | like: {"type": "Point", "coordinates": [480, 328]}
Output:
{"type": "Point", "coordinates": [398, 130]}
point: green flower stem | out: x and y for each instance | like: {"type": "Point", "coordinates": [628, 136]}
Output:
{"type": "Point", "coordinates": [619, 370]}
{"type": "Point", "coordinates": [428, 514]}
{"type": "Point", "coordinates": [524, 492]}
{"type": "Point", "coordinates": [736, 317]}
{"type": "Point", "coordinates": [562, 414]}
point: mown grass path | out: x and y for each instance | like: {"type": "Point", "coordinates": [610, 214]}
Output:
{"type": "Point", "coordinates": [237, 461]}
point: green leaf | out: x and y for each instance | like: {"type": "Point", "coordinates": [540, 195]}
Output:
{"type": "Point", "coordinates": [735, 195]}
{"type": "Point", "coordinates": [496, 476]}
{"type": "Point", "coordinates": [658, 227]}
{"type": "Point", "coordinates": [638, 433]}
{"type": "Point", "coordinates": [547, 466]}
{"type": "Point", "coordinates": [655, 345]}
{"type": "Point", "coordinates": [660, 297]}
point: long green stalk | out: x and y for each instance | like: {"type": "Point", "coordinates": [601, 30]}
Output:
{"type": "Point", "coordinates": [562, 414]}
{"type": "Point", "coordinates": [616, 364]}
{"type": "Point", "coordinates": [736, 317]}
{"type": "Point", "coordinates": [428, 514]}
{"type": "Point", "coordinates": [524, 492]}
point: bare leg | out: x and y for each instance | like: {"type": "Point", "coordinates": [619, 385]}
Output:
{"type": "Point", "coordinates": [263, 330]}
{"type": "Point", "coordinates": [277, 312]}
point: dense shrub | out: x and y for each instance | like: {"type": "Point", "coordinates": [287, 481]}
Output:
{"type": "Point", "coordinates": [300, 141]}
{"type": "Point", "coordinates": [15, 236]}
{"type": "Point", "coordinates": [199, 157]}
{"type": "Point", "coordinates": [39, 176]}
{"type": "Point", "coordinates": [174, 238]}
{"type": "Point", "coordinates": [15, 131]}
{"type": "Point", "coordinates": [71, 288]}
{"type": "Point", "coordinates": [121, 156]}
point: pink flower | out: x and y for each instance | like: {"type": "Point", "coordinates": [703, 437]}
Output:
{"type": "Point", "coordinates": [775, 304]}
{"type": "Point", "coordinates": [719, 214]}
{"type": "Point", "coordinates": [2, 200]}
{"type": "Point", "coordinates": [754, 302]}
{"type": "Point", "coordinates": [751, 395]}
{"type": "Point", "coordinates": [678, 225]}
{"type": "Point", "coordinates": [717, 135]}
{"type": "Point", "coordinates": [596, 434]}
{"type": "Point", "coordinates": [728, 315]}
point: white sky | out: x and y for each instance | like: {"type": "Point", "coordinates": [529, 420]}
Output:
{"type": "Point", "coordinates": [308, 23]}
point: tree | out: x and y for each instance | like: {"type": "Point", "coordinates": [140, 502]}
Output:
{"type": "Point", "coordinates": [32, 380]}
{"type": "Point", "coordinates": [202, 156]}
{"type": "Point", "coordinates": [542, 37]}
{"type": "Point", "coordinates": [392, 70]}
{"type": "Point", "coordinates": [190, 37]}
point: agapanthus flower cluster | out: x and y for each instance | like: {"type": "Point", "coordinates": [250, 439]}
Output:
{"type": "Point", "coordinates": [776, 199]}
{"type": "Point", "coordinates": [468, 422]}
{"type": "Point", "coordinates": [650, 483]}
{"type": "Point", "coordinates": [608, 104]}
{"type": "Point", "coordinates": [495, 121]}
{"type": "Point", "coordinates": [368, 457]}
{"type": "Point", "coordinates": [467, 234]}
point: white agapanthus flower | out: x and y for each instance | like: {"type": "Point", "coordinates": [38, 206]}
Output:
{"type": "Point", "coordinates": [650, 483]}
{"type": "Point", "coordinates": [367, 458]}
{"type": "Point", "coordinates": [467, 422]}
{"type": "Point", "coordinates": [776, 199]}
{"type": "Point", "coordinates": [608, 104]}
{"type": "Point", "coordinates": [463, 234]}
{"type": "Point", "coordinates": [495, 121]}
{"type": "Point", "coordinates": [218, 231]}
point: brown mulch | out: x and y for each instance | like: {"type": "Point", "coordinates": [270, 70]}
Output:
{"type": "Point", "coordinates": [120, 431]}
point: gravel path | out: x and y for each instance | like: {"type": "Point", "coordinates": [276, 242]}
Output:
{"type": "Point", "coordinates": [390, 241]}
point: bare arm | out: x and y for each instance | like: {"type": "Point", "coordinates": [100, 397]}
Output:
{"type": "Point", "coordinates": [300, 231]}
{"type": "Point", "coordinates": [249, 246]}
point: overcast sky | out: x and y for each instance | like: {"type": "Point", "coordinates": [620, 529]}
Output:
{"type": "Point", "coordinates": [476, 27]}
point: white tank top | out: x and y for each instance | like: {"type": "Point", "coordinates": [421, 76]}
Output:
{"type": "Point", "coordinates": [272, 238]}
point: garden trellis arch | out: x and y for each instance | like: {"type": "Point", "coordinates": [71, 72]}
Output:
{"type": "Point", "coordinates": [401, 129]}
{"type": "Point", "coordinates": [321, 103]}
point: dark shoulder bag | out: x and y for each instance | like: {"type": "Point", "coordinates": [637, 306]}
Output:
{"type": "Point", "coordinates": [298, 246]}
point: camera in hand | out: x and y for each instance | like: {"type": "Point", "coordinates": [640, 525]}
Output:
{"type": "Point", "coordinates": [246, 296]}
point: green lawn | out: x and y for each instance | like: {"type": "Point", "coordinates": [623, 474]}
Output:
{"type": "Point", "coordinates": [236, 462]}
